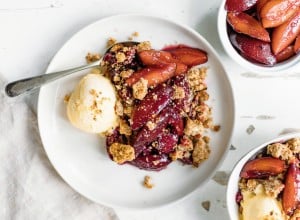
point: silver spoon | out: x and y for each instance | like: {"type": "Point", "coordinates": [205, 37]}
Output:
{"type": "Point", "coordinates": [28, 84]}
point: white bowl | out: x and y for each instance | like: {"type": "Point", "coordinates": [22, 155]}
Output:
{"type": "Point", "coordinates": [232, 186]}
{"type": "Point", "coordinates": [233, 53]}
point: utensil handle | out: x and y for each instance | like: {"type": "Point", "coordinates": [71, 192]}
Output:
{"type": "Point", "coordinates": [28, 84]}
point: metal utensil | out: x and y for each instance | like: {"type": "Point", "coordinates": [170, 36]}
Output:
{"type": "Point", "coordinates": [28, 84]}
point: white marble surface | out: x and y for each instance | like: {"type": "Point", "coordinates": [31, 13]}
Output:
{"type": "Point", "coordinates": [33, 30]}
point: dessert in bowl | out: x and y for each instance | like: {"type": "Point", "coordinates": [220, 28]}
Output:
{"type": "Point", "coordinates": [263, 36]}
{"type": "Point", "coordinates": [264, 184]}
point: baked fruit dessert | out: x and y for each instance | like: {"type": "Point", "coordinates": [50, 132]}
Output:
{"type": "Point", "coordinates": [264, 31]}
{"type": "Point", "coordinates": [269, 184]}
{"type": "Point", "coordinates": [161, 105]}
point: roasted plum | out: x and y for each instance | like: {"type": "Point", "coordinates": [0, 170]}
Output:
{"type": "Point", "coordinates": [253, 49]}
{"type": "Point", "coordinates": [276, 23]}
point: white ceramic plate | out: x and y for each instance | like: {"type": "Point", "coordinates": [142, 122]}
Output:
{"type": "Point", "coordinates": [81, 158]}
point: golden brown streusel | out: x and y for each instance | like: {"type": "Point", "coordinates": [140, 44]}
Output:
{"type": "Point", "coordinates": [193, 127]}
{"type": "Point", "coordinates": [294, 145]}
{"type": "Point", "coordinates": [281, 151]}
{"type": "Point", "coordinates": [128, 110]}
{"type": "Point", "coordinates": [125, 128]}
{"type": "Point", "coordinates": [147, 182]}
{"type": "Point", "coordinates": [67, 98]}
{"type": "Point", "coordinates": [273, 186]}
{"type": "Point", "coordinates": [151, 125]}
{"type": "Point", "coordinates": [119, 108]}
{"type": "Point", "coordinates": [126, 73]}
{"type": "Point", "coordinates": [216, 128]}
{"type": "Point", "coordinates": [145, 45]}
{"type": "Point", "coordinates": [186, 144]}
{"type": "Point", "coordinates": [196, 78]}
{"type": "Point", "coordinates": [121, 152]}
{"type": "Point", "coordinates": [121, 57]}
{"type": "Point", "coordinates": [179, 92]}
{"type": "Point", "coordinates": [133, 35]}
{"type": "Point", "coordinates": [92, 57]}
{"type": "Point", "coordinates": [111, 41]}
{"type": "Point", "coordinates": [201, 152]}
{"type": "Point", "coordinates": [140, 89]}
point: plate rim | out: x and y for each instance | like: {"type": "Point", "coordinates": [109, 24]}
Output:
{"type": "Point", "coordinates": [230, 92]}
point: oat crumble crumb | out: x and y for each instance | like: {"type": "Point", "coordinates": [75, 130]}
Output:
{"type": "Point", "coordinates": [193, 127]}
{"type": "Point", "coordinates": [273, 187]}
{"type": "Point", "coordinates": [111, 41]}
{"type": "Point", "coordinates": [201, 152]}
{"type": "Point", "coordinates": [279, 150]}
{"type": "Point", "coordinates": [67, 98]}
{"type": "Point", "coordinates": [135, 34]}
{"type": "Point", "coordinates": [126, 73]}
{"type": "Point", "coordinates": [125, 128]}
{"type": "Point", "coordinates": [179, 92]}
{"type": "Point", "coordinates": [216, 128]}
{"type": "Point", "coordinates": [294, 145]}
{"type": "Point", "coordinates": [121, 152]}
{"type": "Point", "coordinates": [146, 45]}
{"type": "Point", "coordinates": [151, 125]}
{"type": "Point", "coordinates": [92, 57]}
{"type": "Point", "coordinates": [119, 108]}
{"type": "Point", "coordinates": [147, 182]}
{"type": "Point", "coordinates": [121, 57]}
{"type": "Point", "coordinates": [140, 89]}
{"type": "Point", "coordinates": [128, 110]}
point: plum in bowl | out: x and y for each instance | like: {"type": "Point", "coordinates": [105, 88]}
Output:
{"type": "Point", "coordinates": [261, 35]}
{"type": "Point", "coordinates": [264, 184]}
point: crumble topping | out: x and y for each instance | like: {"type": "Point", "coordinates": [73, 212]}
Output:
{"type": "Point", "coordinates": [125, 128]}
{"type": "Point", "coordinates": [179, 92]}
{"type": "Point", "coordinates": [151, 125]}
{"type": "Point", "coordinates": [201, 152]}
{"type": "Point", "coordinates": [111, 41]}
{"type": "Point", "coordinates": [121, 57]}
{"type": "Point", "coordinates": [193, 127]}
{"type": "Point", "coordinates": [133, 35]}
{"type": "Point", "coordinates": [146, 45]}
{"type": "Point", "coordinates": [147, 182]}
{"type": "Point", "coordinates": [273, 186]}
{"type": "Point", "coordinates": [140, 89]}
{"type": "Point", "coordinates": [67, 98]}
{"type": "Point", "coordinates": [121, 152]}
{"type": "Point", "coordinates": [281, 151]}
{"type": "Point", "coordinates": [128, 110]}
{"type": "Point", "coordinates": [294, 145]}
{"type": "Point", "coordinates": [196, 77]}
{"type": "Point", "coordinates": [119, 108]}
{"type": "Point", "coordinates": [126, 73]}
{"type": "Point", "coordinates": [92, 57]}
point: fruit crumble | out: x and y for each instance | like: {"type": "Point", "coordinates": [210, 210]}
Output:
{"type": "Point", "coordinates": [161, 105]}
{"type": "Point", "coordinates": [269, 184]}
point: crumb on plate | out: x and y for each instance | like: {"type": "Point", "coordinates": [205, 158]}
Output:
{"type": "Point", "coordinates": [147, 182]}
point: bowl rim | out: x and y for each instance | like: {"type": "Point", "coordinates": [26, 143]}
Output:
{"type": "Point", "coordinates": [237, 58]}
{"type": "Point", "coordinates": [232, 184]}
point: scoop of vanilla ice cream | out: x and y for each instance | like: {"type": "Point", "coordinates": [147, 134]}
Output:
{"type": "Point", "coordinates": [91, 106]}
{"type": "Point", "coordinates": [257, 205]}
